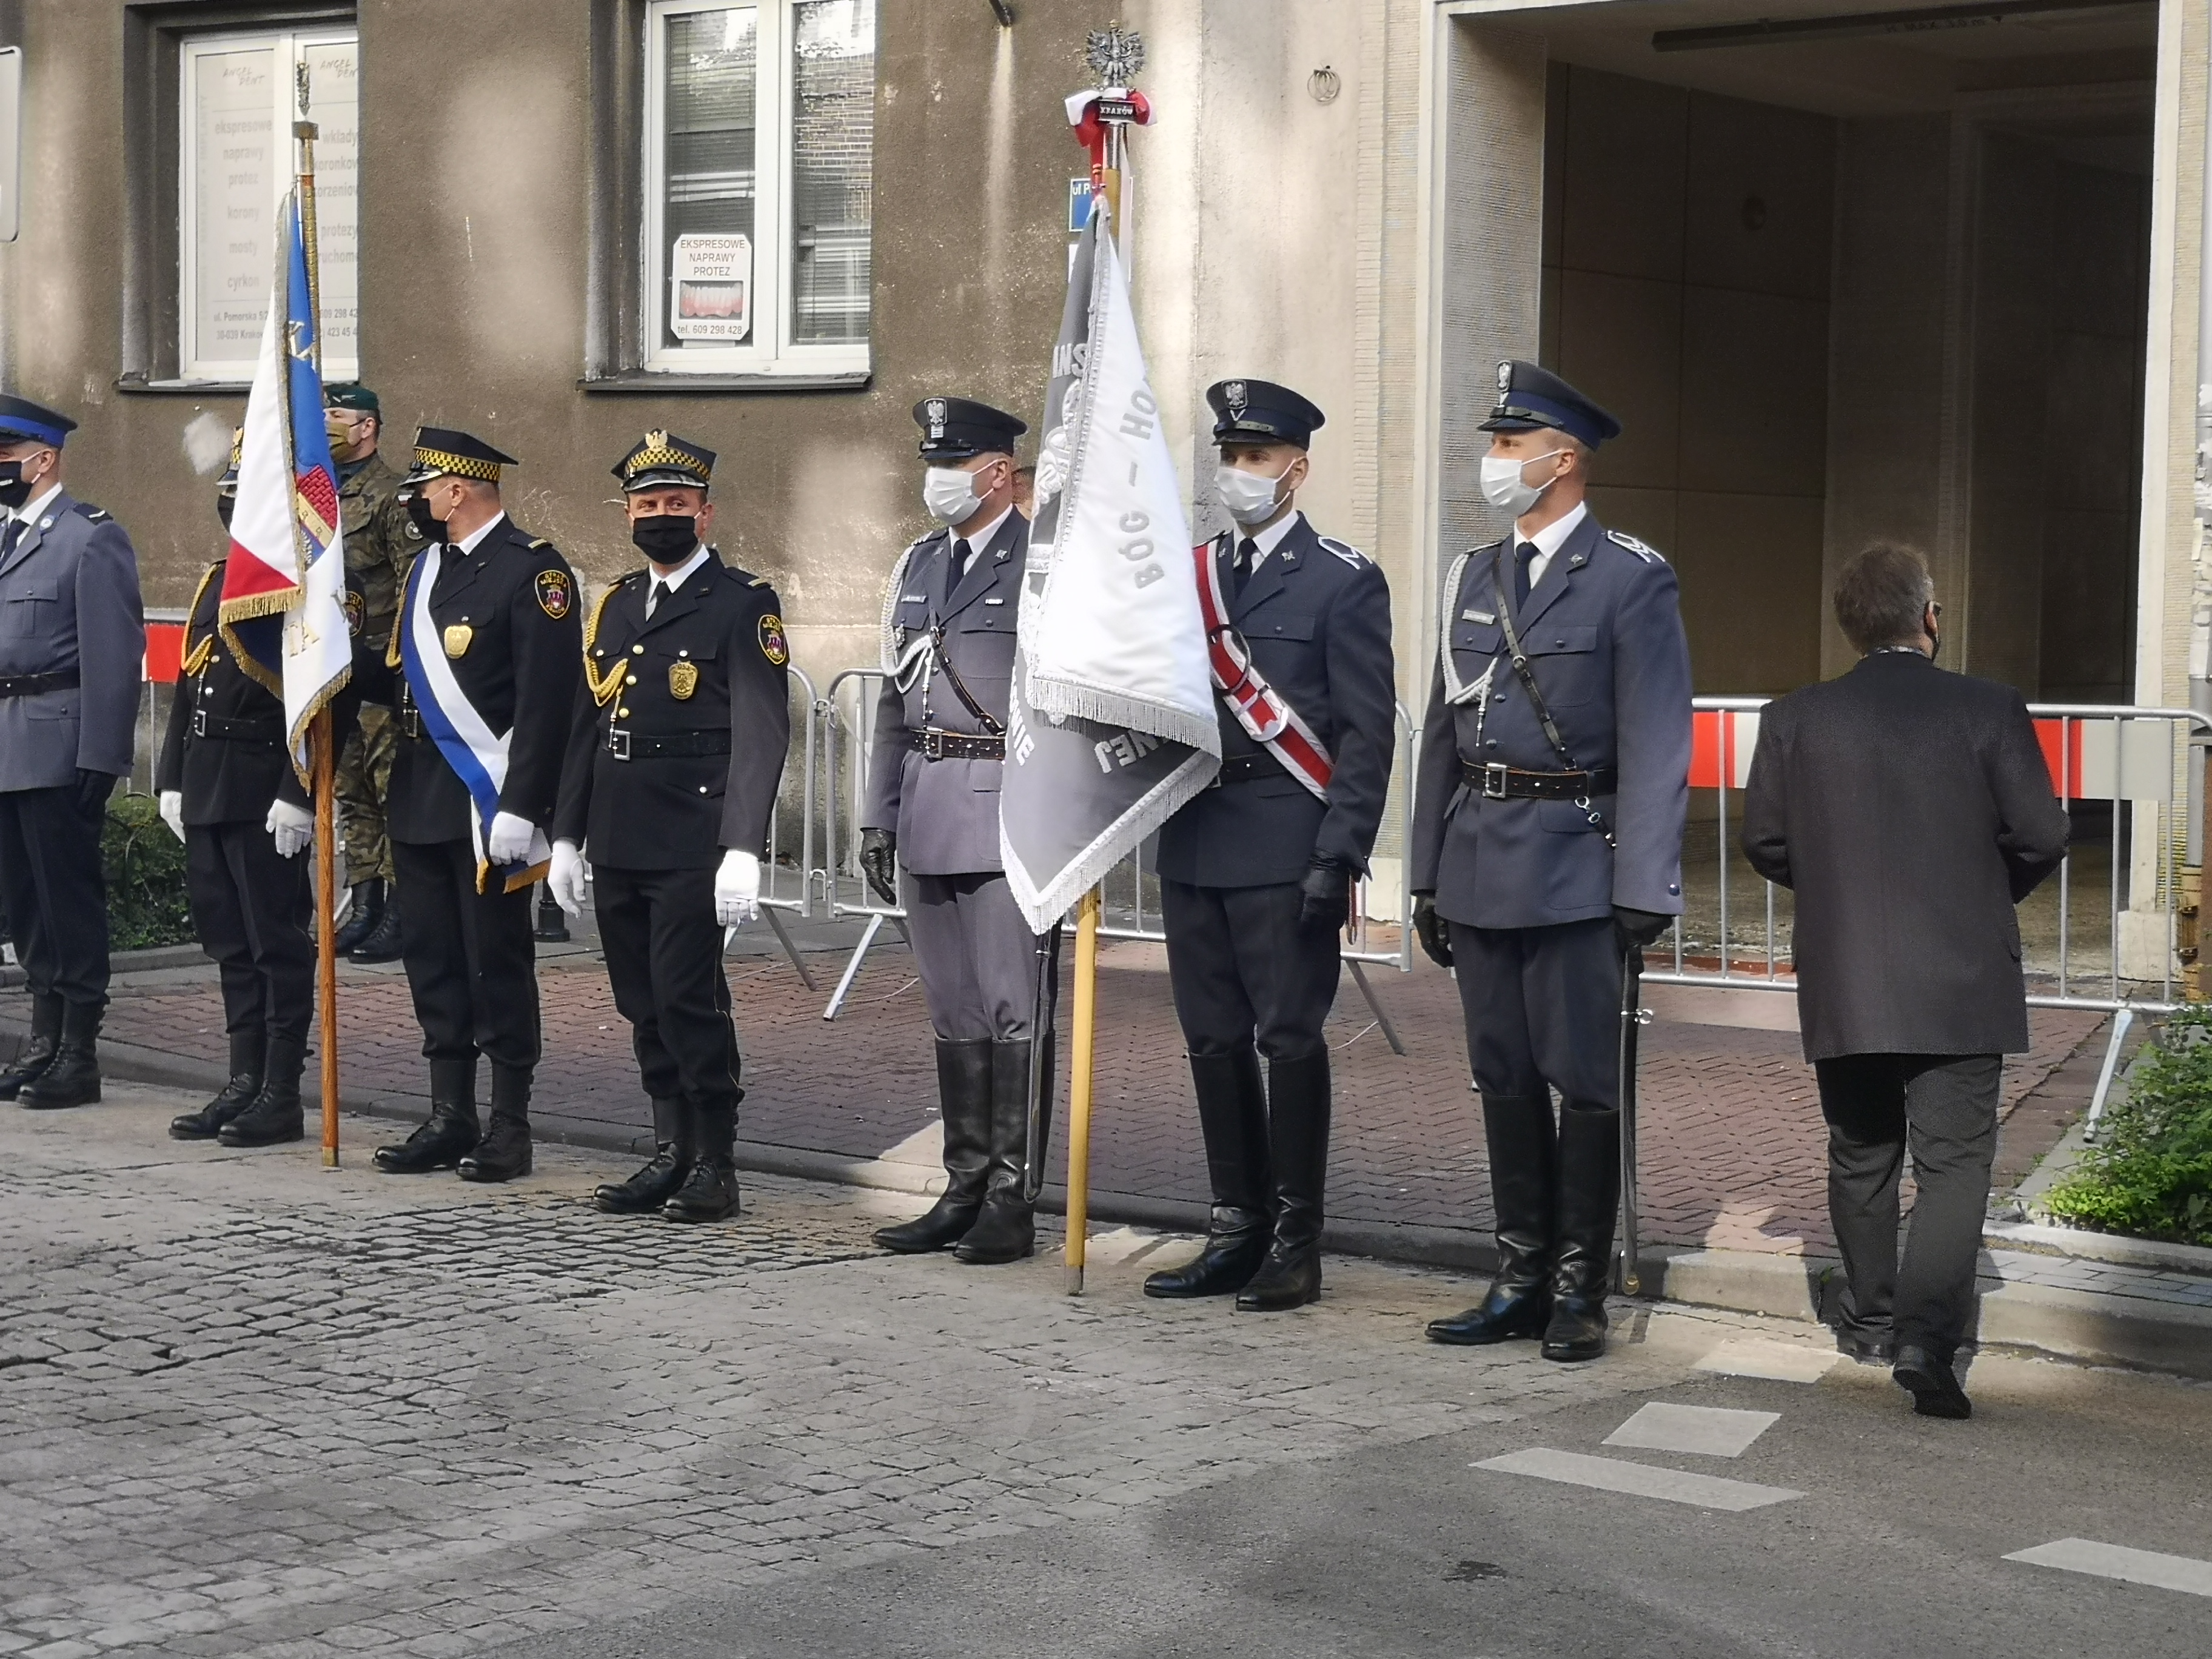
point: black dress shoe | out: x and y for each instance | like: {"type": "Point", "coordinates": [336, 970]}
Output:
{"type": "Point", "coordinates": [1289, 1277]}
{"type": "Point", "coordinates": [361, 917]}
{"type": "Point", "coordinates": [276, 1116]}
{"type": "Point", "coordinates": [439, 1144]}
{"type": "Point", "coordinates": [709, 1193]}
{"type": "Point", "coordinates": [72, 1078]}
{"type": "Point", "coordinates": [1005, 1230]}
{"type": "Point", "coordinates": [382, 944]}
{"type": "Point", "coordinates": [1575, 1330]}
{"type": "Point", "coordinates": [1236, 1245]}
{"type": "Point", "coordinates": [1932, 1383]}
{"type": "Point", "coordinates": [1866, 1348]}
{"type": "Point", "coordinates": [1508, 1313]}
{"type": "Point", "coordinates": [502, 1154]}
{"type": "Point", "coordinates": [945, 1222]}
{"type": "Point", "coordinates": [237, 1095]}
{"type": "Point", "coordinates": [649, 1188]}
{"type": "Point", "coordinates": [38, 1053]}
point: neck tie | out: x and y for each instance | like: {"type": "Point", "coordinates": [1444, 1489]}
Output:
{"type": "Point", "coordinates": [1240, 568]}
{"type": "Point", "coordinates": [1521, 555]}
{"type": "Point", "coordinates": [8, 537]}
{"type": "Point", "coordinates": [653, 598]}
{"type": "Point", "coordinates": [962, 553]}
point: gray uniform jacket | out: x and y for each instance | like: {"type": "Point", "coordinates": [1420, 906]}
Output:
{"type": "Point", "coordinates": [1603, 632]}
{"type": "Point", "coordinates": [69, 604]}
{"type": "Point", "coordinates": [946, 812]}
{"type": "Point", "coordinates": [1316, 615]}
{"type": "Point", "coordinates": [1911, 810]}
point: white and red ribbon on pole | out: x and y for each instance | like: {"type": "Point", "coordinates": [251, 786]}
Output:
{"type": "Point", "coordinates": [1267, 719]}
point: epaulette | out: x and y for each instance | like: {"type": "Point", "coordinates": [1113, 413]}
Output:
{"type": "Point", "coordinates": [97, 514]}
{"type": "Point", "coordinates": [1622, 538]}
{"type": "Point", "coordinates": [537, 542]}
{"type": "Point", "coordinates": [1351, 554]}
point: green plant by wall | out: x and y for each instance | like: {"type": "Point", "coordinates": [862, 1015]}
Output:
{"type": "Point", "coordinates": [145, 864]}
{"type": "Point", "coordinates": [2149, 1174]}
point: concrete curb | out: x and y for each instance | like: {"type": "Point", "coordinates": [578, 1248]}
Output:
{"type": "Point", "coordinates": [2101, 1328]}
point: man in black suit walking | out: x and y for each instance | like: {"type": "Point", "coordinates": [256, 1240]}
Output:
{"type": "Point", "coordinates": [1910, 809]}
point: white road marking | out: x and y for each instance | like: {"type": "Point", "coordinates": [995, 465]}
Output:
{"type": "Point", "coordinates": [1707, 1491]}
{"type": "Point", "coordinates": [1779, 1362]}
{"type": "Point", "coordinates": [2173, 1572]}
{"type": "Point", "coordinates": [1706, 1430]}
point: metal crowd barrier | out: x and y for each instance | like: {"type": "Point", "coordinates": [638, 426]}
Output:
{"type": "Point", "coordinates": [2137, 761]}
{"type": "Point", "coordinates": [788, 890]}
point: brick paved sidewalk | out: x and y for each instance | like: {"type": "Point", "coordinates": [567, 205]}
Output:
{"type": "Point", "coordinates": [1732, 1139]}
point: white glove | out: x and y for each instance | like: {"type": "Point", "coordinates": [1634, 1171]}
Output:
{"type": "Point", "coordinates": [292, 827]}
{"type": "Point", "coordinates": [737, 888]}
{"type": "Point", "coordinates": [509, 841]}
{"type": "Point", "coordinates": [565, 877]}
{"type": "Point", "coordinates": [172, 811]}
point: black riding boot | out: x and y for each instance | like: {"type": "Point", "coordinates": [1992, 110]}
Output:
{"type": "Point", "coordinates": [452, 1129]}
{"type": "Point", "coordinates": [361, 917]}
{"type": "Point", "coordinates": [382, 942]}
{"type": "Point", "coordinates": [1582, 1264]}
{"type": "Point", "coordinates": [73, 1078]}
{"type": "Point", "coordinates": [38, 1053]}
{"type": "Point", "coordinates": [964, 1099]}
{"type": "Point", "coordinates": [1232, 1115]}
{"type": "Point", "coordinates": [1297, 1147]}
{"type": "Point", "coordinates": [504, 1151]}
{"type": "Point", "coordinates": [656, 1183]}
{"type": "Point", "coordinates": [1005, 1227]}
{"type": "Point", "coordinates": [276, 1114]}
{"type": "Point", "coordinates": [247, 1050]}
{"type": "Point", "coordinates": [710, 1192]}
{"type": "Point", "coordinates": [1523, 1154]}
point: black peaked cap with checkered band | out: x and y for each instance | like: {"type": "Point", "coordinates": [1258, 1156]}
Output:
{"type": "Point", "coordinates": [440, 451]}
{"type": "Point", "coordinates": [662, 461]}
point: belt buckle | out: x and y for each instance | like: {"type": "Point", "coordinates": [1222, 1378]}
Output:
{"type": "Point", "coordinates": [199, 723]}
{"type": "Point", "coordinates": [932, 744]}
{"type": "Point", "coordinates": [1493, 780]}
{"type": "Point", "coordinates": [618, 742]}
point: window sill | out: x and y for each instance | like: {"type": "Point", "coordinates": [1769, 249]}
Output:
{"type": "Point", "coordinates": [184, 388]}
{"type": "Point", "coordinates": [658, 380]}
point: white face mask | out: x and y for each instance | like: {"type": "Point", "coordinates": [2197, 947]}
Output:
{"type": "Point", "coordinates": [1249, 496]}
{"type": "Point", "coordinates": [1502, 484]}
{"type": "Point", "coordinates": [949, 492]}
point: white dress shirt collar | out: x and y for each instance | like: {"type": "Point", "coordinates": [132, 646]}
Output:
{"type": "Point", "coordinates": [30, 510]}
{"type": "Point", "coordinates": [983, 538]}
{"type": "Point", "coordinates": [1267, 541]}
{"type": "Point", "coordinates": [474, 539]}
{"type": "Point", "coordinates": [682, 573]}
{"type": "Point", "coordinates": [1551, 538]}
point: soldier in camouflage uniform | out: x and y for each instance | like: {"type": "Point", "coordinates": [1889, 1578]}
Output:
{"type": "Point", "coordinates": [380, 543]}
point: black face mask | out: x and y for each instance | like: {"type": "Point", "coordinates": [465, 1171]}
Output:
{"type": "Point", "coordinates": [14, 490]}
{"type": "Point", "coordinates": [666, 537]}
{"type": "Point", "coordinates": [224, 507]}
{"type": "Point", "coordinates": [418, 514]}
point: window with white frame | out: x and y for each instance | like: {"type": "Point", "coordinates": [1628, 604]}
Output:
{"type": "Point", "coordinates": [759, 145]}
{"type": "Point", "coordinates": [239, 101]}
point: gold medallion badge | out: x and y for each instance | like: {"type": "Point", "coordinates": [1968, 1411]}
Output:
{"type": "Point", "coordinates": [683, 680]}
{"type": "Point", "coordinates": [772, 641]}
{"type": "Point", "coordinates": [457, 639]}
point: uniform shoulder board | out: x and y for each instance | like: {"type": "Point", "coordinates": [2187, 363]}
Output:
{"type": "Point", "coordinates": [537, 542]}
{"type": "Point", "coordinates": [97, 514]}
{"type": "Point", "coordinates": [1351, 554]}
{"type": "Point", "coordinates": [1622, 538]}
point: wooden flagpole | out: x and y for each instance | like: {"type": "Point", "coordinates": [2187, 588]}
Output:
{"type": "Point", "coordinates": [322, 734]}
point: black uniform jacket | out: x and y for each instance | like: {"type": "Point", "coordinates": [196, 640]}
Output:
{"type": "Point", "coordinates": [1316, 615]}
{"type": "Point", "coordinates": [523, 657]}
{"type": "Point", "coordinates": [224, 748]}
{"type": "Point", "coordinates": [1911, 810]}
{"type": "Point", "coordinates": [710, 663]}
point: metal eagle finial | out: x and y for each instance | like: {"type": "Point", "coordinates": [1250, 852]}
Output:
{"type": "Point", "coordinates": [1117, 55]}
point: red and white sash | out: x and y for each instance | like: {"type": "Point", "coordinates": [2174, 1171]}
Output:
{"type": "Point", "coordinates": [1262, 711]}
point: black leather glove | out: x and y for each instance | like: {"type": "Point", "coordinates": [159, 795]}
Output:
{"type": "Point", "coordinates": [1324, 896]}
{"type": "Point", "coordinates": [879, 863]}
{"type": "Point", "coordinates": [1429, 928]}
{"type": "Point", "coordinates": [93, 789]}
{"type": "Point", "coordinates": [1638, 928]}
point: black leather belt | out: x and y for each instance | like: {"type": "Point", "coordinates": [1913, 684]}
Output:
{"type": "Point", "coordinates": [1244, 769]}
{"type": "Point", "coordinates": [1498, 782]}
{"type": "Point", "coordinates": [960, 745]}
{"type": "Point", "coordinates": [624, 745]}
{"type": "Point", "coordinates": [205, 724]}
{"type": "Point", "coordinates": [29, 685]}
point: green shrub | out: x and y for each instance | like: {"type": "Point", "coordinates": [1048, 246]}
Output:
{"type": "Point", "coordinates": [146, 903]}
{"type": "Point", "coordinates": [2149, 1174]}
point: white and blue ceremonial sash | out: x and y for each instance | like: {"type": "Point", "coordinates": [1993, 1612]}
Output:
{"type": "Point", "coordinates": [477, 755]}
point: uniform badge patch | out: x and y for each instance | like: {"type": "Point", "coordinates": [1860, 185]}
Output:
{"type": "Point", "coordinates": [355, 610]}
{"type": "Point", "coordinates": [1237, 396]}
{"type": "Point", "coordinates": [772, 641]}
{"type": "Point", "coordinates": [457, 639]}
{"type": "Point", "coordinates": [683, 680]}
{"type": "Point", "coordinates": [553, 594]}
{"type": "Point", "coordinates": [933, 411]}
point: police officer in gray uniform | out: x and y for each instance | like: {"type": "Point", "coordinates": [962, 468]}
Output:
{"type": "Point", "coordinates": [932, 806]}
{"type": "Point", "coordinates": [1547, 845]}
{"type": "Point", "coordinates": [1256, 871]}
{"type": "Point", "coordinates": [72, 647]}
